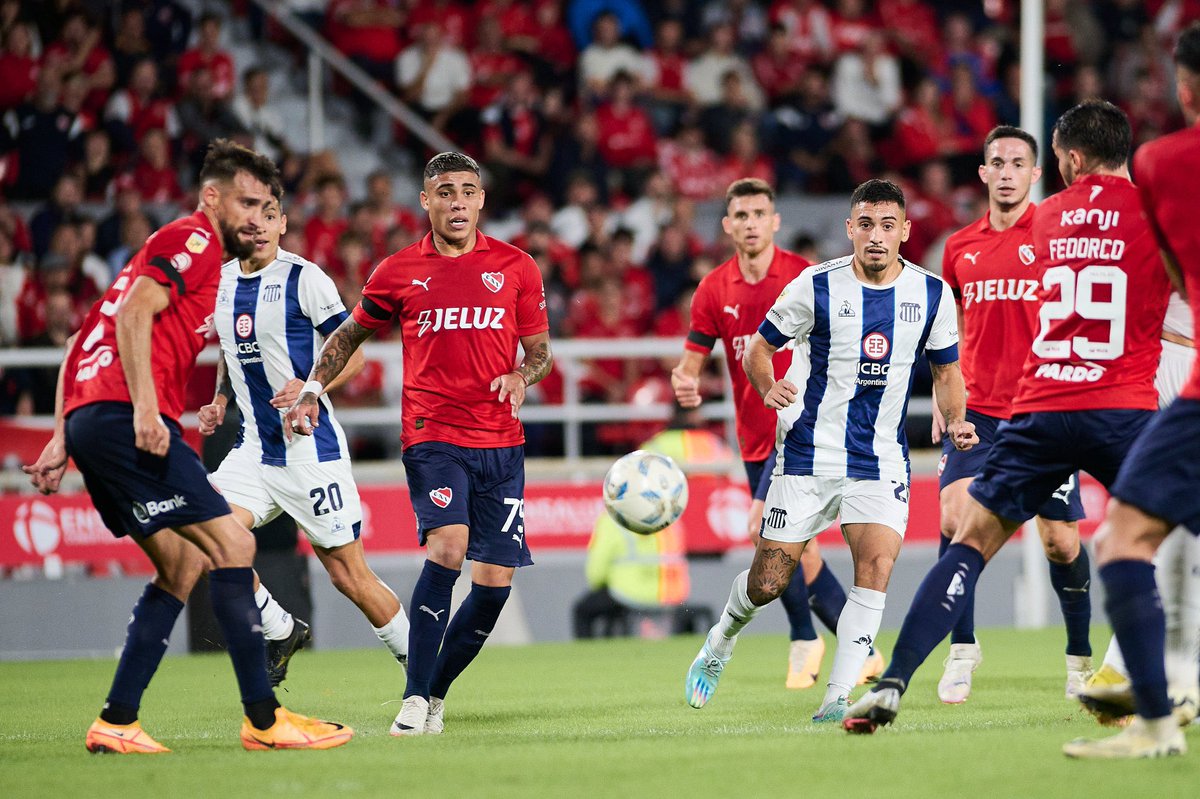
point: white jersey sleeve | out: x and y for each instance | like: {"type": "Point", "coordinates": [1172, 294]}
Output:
{"type": "Point", "coordinates": [791, 317]}
{"type": "Point", "coordinates": [320, 301]}
{"type": "Point", "coordinates": [942, 346]}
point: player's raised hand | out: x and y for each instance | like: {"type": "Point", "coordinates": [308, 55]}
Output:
{"type": "Point", "coordinates": [47, 471]}
{"type": "Point", "coordinates": [287, 396]}
{"type": "Point", "coordinates": [510, 387]}
{"type": "Point", "coordinates": [301, 418]}
{"type": "Point", "coordinates": [150, 433]}
{"type": "Point", "coordinates": [962, 435]}
{"type": "Point", "coordinates": [780, 395]}
{"type": "Point", "coordinates": [686, 387]}
{"type": "Point", "coordinates": [210, 418]}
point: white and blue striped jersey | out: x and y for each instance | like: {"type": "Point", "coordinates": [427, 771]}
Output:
{"type": "Point", "coordinates": [853, 366]}
{"type": "Point", "coordinates": [271, 325]}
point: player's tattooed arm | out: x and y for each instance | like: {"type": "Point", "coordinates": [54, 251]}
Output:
{"type": "Point", "coordinates": [538, 359]}
{"type": "Point", "coordinates": [337, 351]}
{"type": "Point", "coordinates": [770, 573]}
{"type": "Point", "coordinates": [950, 394]}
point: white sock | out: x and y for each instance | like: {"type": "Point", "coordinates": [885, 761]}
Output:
{"type": "Point", "coordinates": [738, 612]}
{"type": "Point", "coordinates": [394, 634]}
{"type": "Point", "coordinates": [857, 627]}
{"type": "Point", "coordinates": [276, 622]}
{"type": "Point", "coordinates": [1114, 659]}
{"type": "Point", "coordinates": [1181, 601]}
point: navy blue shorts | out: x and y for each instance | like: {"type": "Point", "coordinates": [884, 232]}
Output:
{"type": "Point", "coordinates": [758, 474]}
{"type": "Point", "coordinates": [1035, 453]}
{"type": "Point", "coordinates": [1161, 475]}
{"type": "Point", "coordinates": [1064, 505]}
{"type": "Point", "coordinates": [481, 488]}
{"type": "Point", "coordinates": [134, 491]}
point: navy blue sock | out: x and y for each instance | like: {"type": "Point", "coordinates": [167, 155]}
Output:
{"type": "Point", "coordinates": [467, 633]}
{"type": "Point", "coordinates": [964, 628]}
{"type": "Point", "coordinates": [1072, 582]}
{"type": "Point", "coordinates": [935, 608]}
{"type": "Point", "coordinates": [795, 604]}
{"type": "Point", "coordinates": [826, 597]}
{"type": "Point", "coordinates": [429, 613]}
{"type": "Point", "coordinates": [1135, 612]}
{"type": "Point", "coordinates": [232, 592]}
{"type": "Point", "coordinates": [153, 618]}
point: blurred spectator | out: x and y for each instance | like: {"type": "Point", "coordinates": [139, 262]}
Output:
{"type": "Point", "coordinates": [692, 168]}
{"type": "Point", "coordinates": [168, 27]}
{"type": "Point", "coordinates": [62, 208]}
{"type": "Point", "coordinates": [38, 385]}
{"type": "Point", "coordinates": [253, 107]}
{"type": "Point", "coordinates": [156, 174]}
{"type": "Point", "coordinates": [207, 54]}
{"type": "Point", "coordinates": [95, 170]}
{"type": "Point", "coordinates": [368, 32]}
{"type": "Point", "coordinates": [328, 222]}
{"type": "Point", "coordinates": [929, 209]}
{"type": "Point", "coordinates": [637, 283]}
{"type": "Point", "coordinates": [606, 57]}
{"type": "Point", "coordinates": [670, 263]}
{"type": "Point", "coordinates": [1122, 21]}
{"type": "Point", "coordinates": [627, 139]}
{"type": "Point", "coordinates": [851, 25]}
{"type": "Point", "coordinates": [54, 273]}
{"type": "Point", "coordinates": [557, 293]}
{"type": "Point", "coordinates": [776, 67]}
{"type": "Point", "coordinates": [801, 131]}
{"type": "Point", "coordinates": [91, 263]}
{"type": "Point", "coordinates": [745, 159]}
{"type": "Point", "coordinates": [434, 76]}
{"type": "Point", "coordinates": [203, 117]}
{"type": "Point", "coordinates": [548, 46]}
{"type": "Point", "coordinates": [922, 130]}
{"type": "Point", "coordinates": [350, 265]}
{"type": "Point", "coordinates": [389, 215]}
{"type": "Point", "coordinates": [746, 17]}
{"type": "Point", "coordinates": [73, 102]}
{"type": "Point", "coordinates": [127, 202]}
{"type": "Point", "coordinates": [912, 26]}
{"type": "Point", "coordinates": [665, 66]}
{"type": "Point", "coordinates": [42, 132]}
{"type": "Point", "coordinates": [454, 18]}
{"type": "Point", "coordinates": [809, 28]}
{"type": "Point", "coordinates": [719, 121]}
{"type": "Point", "coordinates": [853, 158]}
{"type": "Point", "coordinates": [516, 142]}
{"type": "Point", "coordinates": [599, 312]}
{"type": "Point", "coordinates": [577, 151]}
{"type": "Point", "coordinates": [959, 46]}
{"type": "Point", "coordinates": [972, 117]}
{"type": "Point", "coordinates": [632, 22]}
{"type": "Point", "coordinates": [1072, 36]}
{"type": "Point", "coordinates": [492, 67]}
{"type": "Point", "coordinates": [805, 245]}
{"type": "Point", "coordinates": [866, 82]}
{"type": "Point", "coordinates": [705, 74]}
{"type": "Point", "coordinates": [140, 107]}
{"type": "Point", "coordinates": [133, 229]}
{"type": "Point", "coordinates": [130, 44]}
{"type": "Point", "coordinates": [12, 281]}
{"type": "Point", "coordinates": [79, 49]}
{"type": "Point", "coordinates": [677, 319]}
{"type": "Point", "coordinates": [18, 67]}
{"type": "Point", "coordinates": [648, 214]}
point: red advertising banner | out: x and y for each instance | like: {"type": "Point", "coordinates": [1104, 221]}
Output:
{"type": "Point", "coordinates": [66, 528]}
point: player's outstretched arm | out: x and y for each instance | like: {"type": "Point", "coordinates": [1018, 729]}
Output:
{"type": "Point", "coordinates": [46, 472]}
{"type": "Point", "coordinates": [135, 325]}
{"type": "Point", "coordinates": [335, 354]}
{"type": "Point", "coordinates": [685, 379]}
{"type": "Point", "coordinates": [760, 368]}
{"type": "Point", "coordinates": [951, 397]}
{"type": "Point", "coordinates": [211, 416]}
{"type": "Point", "coordinates": [538, 360]}
{"type": "Point", "coordinates": [286, 396]}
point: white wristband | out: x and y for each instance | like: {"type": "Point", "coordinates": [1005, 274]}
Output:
{"type": "Point", "coordinates": [314, 386]}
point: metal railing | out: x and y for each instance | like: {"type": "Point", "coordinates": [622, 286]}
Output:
{"type": "Point", "coordinates": [320, 54]}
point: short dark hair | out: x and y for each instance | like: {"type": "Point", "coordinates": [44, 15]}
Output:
{"type": "Point", "coordinates": [1099, 130]}
{"type": "Point", "coordinates": [1187, 49]}
{"type": "Point", "coordinates": [748, 187]}
{"type": "Point", "coordinates": [250, 73]}
{"type": "Point", "coordinates": [226, 158]}
{"type": "Point", "coordinates": [1010, 132]}
{"type": "Point", "coordinates": [442, 163]}
{"type": "Point", "coordinates": [876, 191]}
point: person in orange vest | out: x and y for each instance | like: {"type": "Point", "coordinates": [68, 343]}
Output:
{"type": "Point", "coordinates": [627, 572]}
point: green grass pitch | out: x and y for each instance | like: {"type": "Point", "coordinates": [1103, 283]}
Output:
{"type": "Point", "coordinates": [604, 718]}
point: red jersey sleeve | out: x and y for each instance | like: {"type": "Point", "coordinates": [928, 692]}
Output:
{"type": "Point", "coordinates": [178, 258]}
{"type": "Point", "coordinates": [704, 332]}
{"type": "Point", "coordinates": [378, 305]}
{"type": "Point", "coordinates": [531, 301]}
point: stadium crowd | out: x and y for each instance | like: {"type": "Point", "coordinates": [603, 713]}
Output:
{"type": "Point", "coordinates": [602, 124]}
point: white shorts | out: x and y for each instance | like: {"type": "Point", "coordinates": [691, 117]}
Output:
{"type": "Point", "coordinates": [800, 506]}
{"type": "Point", "coordinates": [321, 497]}
{"type": "Point", "coordinates": [1173, 368]}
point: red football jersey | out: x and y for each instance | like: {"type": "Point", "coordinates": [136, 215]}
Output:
{"type": "Point", "coordinates": [185, 256]}
{"type": "Point", "coordinates": [1165, 170]}
{"type": "Point", "coordinates": [1103, 298]}
{"type": "Point", "coordinates": [460, 320]}
{"type": "Point", "coordinates": [728, 308]}
{"type": "Point", "coordinates": [995, 280]}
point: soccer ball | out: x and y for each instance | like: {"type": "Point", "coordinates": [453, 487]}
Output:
{"type": "Point", "coordinates": [644, 492]}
